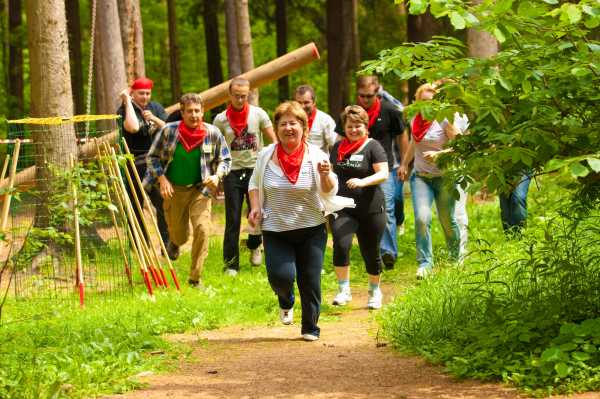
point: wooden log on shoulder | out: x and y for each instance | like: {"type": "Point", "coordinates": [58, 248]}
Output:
{"type": "Point", "coordinates": [259, 76]}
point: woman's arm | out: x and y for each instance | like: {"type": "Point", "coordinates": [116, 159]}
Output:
{"type": "Point", "coordinates": [131, 123]}
{"type": "Point", "coordinates": [407, 158]}
{"type": "Point", "coordinates": [381, 174]}
{"type": "Point", "coordinates": [255, 214]}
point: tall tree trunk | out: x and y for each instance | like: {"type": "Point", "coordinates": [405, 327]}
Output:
{"type": "Point", "coordinates": [245, 42]}
{"type": "Point", "coordinates": [110, 64]}
{"type": "Point", "coordinates": [355, 36]}
{"type": "Point", "coordinates": [481, 44]}
{"type": "Point", "coordinates": [51, 93]}
{"type": "Point", "coordinates": [15, 57]}
{"type": "Point", "coordinates": [74, 32]}
{"type": "Point", "coordinates": [281, 28]}
{"type": "Point", "coordinates": [213, 46]}
{"type": "Point", "coordinates": [234, 64]}
{"type": "Point", "coordinates": [173, 52]}
{"type": "Point", "coordinates": [339, 53]}
{"type": "Point", "coordinates": [132, 37]}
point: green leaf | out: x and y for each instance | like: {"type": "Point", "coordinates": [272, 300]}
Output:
{"type": "Point", "coordinates": [574, 13]}
{"type": "Point", "coordinates": [504, 83]}
{"type": "Point", "coordinates": [567, 347]}
{"type": "Point", "coordinates": [562, 369]}
{"type": "Point", "coordinates": [551, 354]}
{"type": "Point", "coordinates": [594, 164]}
{"type": "Point", "coordinates": [502, 6]}
{"type": "Point", "coordinates": [418, 6]}
{"type": "Point", "coordinates": [581, 356]}
{"type": "Point", "coordinates": [499, 35]}
{"type": "Point", "coordinates": [579, 71]}
{"type": "Point", "coordinates": [551, 1]}
{"type": "Point", "coordinates": [457, 20]}
{"type": "Point", "coordinates": [594, 47]}
{"type": "Point", "coordinates": [578, 170]}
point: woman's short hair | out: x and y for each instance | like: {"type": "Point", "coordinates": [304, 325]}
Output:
{"type": "Point", "coordinates": [356, 114]}
{"type": "Point", "coordinates": [190, 98]}
{"type": "Point", "coordinates": [424, 87]}
{"type": "Point", "coordinates": [291, 108]}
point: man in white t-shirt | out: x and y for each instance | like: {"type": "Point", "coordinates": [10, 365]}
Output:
{"type": "Point", "coordinates": [321, 126]}
{"type": "Point", "coordinates": [243, 126]}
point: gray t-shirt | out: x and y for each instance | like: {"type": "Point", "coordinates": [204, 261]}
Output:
{"type": "Point", "coordinates": [245, 147]}
{"type": "Point", "coordinates": [322, 132]}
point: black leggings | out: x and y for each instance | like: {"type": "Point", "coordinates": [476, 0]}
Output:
{"type": "Point", "coordinates": [368, 228]}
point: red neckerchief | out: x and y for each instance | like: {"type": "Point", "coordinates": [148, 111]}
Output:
{"type": "Point", "coordinates": [311, 118]}
{"type": "Point", "coordinates": [191, 138]}
{"type": "Point", "coordinates": [419, 126]}
{"type": "Point", "coordinates": [290, 163]}
{"type": "Point", "coordinates": [238, 120]}
{"type": "Point", "coordinates": [373, 111]}
{"type": "Point", "coordinates": [348, 147]}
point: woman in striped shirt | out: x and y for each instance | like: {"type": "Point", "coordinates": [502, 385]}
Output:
{"type": "Point", "coordinates": [290, 192]}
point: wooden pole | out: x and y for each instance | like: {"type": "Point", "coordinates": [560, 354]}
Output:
{"type": "Point", "coordinates": [11, 184]}
{"type": "Point", "coordinates": [78, 261]}
{"type": "Point", "coordinates": [260, 76]}
{"type": "Point", "coordinates": [154, 221]}
{"type": "Point", "coordinates": [5, 166]}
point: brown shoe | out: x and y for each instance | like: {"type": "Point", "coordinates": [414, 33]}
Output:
{"type": "Point", "coordinates": [172, 251]}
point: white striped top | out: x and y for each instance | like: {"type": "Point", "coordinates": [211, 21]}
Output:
{"type": "Point", "coordinates": [290, 206]}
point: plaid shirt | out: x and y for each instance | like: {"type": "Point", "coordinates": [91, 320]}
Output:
{"type": "Point", "coordinates": [215, 159]}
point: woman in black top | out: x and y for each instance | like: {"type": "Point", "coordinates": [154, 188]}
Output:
{"type": "Point", "coordinates": [361, 165]}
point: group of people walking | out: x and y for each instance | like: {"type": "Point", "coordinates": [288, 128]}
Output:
{"type": "Point", "coordinates": [315, 174]}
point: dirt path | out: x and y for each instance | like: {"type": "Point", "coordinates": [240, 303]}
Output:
{"type": "Point", "coordinates": [273, 362]}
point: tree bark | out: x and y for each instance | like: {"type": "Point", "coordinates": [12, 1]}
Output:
{"type": "Point", "coordinates": [51, 93]}
{"type": "Point", "coordinates": [234, 65]}
{"type": "Point", "coordinates": [213, 46]}
{"type": "Point", "coordinates": [339, 53]}
{"type": "Point", "coordinates": [74, 32]}
{"type": "Point", "coordinates": [245, 42]}
{"type": "Point", "coordinates": [283, 84]}
{"type": "Point", "coordinates": [132, 37]}
{"type": "Point", "coordinates": [481, 44]}
{"type": "Point", "coordinates": [111, 78]}
{"type": "Point", "coordinates": [173, 52]}
{"type": "Point", "coordinates": [15, 57]}
{"type": "Point", "coordinates": [355, 36]}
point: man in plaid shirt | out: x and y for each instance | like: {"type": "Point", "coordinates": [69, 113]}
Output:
{"type": "Point", "coordinates": [188, 159]}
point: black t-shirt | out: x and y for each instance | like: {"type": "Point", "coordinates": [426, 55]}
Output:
{"type": "Point", "coordinates": [358, 165]}
{"type": "Point", "coordinates": [388, 125]}
{"type": "Point", "coordinates": [139, 143]}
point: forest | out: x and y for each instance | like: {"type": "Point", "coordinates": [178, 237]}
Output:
{"type": "Point", "coordinates": [518, 315]}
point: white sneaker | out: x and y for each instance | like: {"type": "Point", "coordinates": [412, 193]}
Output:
{"type": "Point", "coordinates": [401, 230]}
{"type": "Point", "coordinates": [256, 257]}
{"type": "Point", "coordinates": [342, 298]}
{"type": "Point", "coordinates": [231, 272]}
{"type": "Point", "coordinates": [375, 299]}
{"type": "Point", "coordinates": [310, 337]}
{"type": "Point", "coordinates": [423, 272]}
{"type": "Point", "coordinates": [286, 316]}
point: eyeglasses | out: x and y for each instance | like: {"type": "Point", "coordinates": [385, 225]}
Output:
{"type": "Point", "coordinates": [366, 95]}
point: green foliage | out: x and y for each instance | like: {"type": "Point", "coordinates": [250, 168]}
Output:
{"type": "Point", "coordinates": [533, 105]}
{"type": "Point", "coordinates": [524, 312]}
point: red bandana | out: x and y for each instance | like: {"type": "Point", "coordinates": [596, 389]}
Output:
{"type": "Point", "coordinates": [373, 112]}
{"type": "Point", "coordinates": [142, 84]}
{"type": "Point", "coordinates": [348, 147]}
{"type": "Point", "coordinates": [311, 118]}
{"type": "Point", "coordinates": [419, 127]}
{"type": "Point", "coordinates": [191, 138]}
{"type": "Point", "coordinates": [238, 120]}
{"type": "Point", "coordinates": [290, 163]}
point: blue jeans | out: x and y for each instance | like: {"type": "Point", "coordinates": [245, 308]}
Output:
{"type": "Point", "coordinates": [398, 199]}
{"type": "Point", "coordinates": [389, 244]}
{"type": "Point", "coordinates": [297, 254]}
{"type": "Point", "coordinates": [513, 206]}
{"type": "Point", "coordinates": [424, 191]}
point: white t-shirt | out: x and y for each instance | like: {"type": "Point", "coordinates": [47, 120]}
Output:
{"type": "Point", "coordinates": [322, 133]}
{"type": "Point", "coordinates": [245, 147]}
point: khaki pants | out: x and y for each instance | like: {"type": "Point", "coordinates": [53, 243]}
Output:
{"type": "Point", "coordinates": [188, 204]}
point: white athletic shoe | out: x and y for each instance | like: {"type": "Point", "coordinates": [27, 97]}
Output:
{"type": "Point", "coordinates": [231, 272]}
{"type": "Point", "coordinates": [375, 299]}
{"type": "Point", "coordinates": [310, 337]}
{"type": "Point", "coordinates": [256, 257]}
{"type": "Point", "coordinates": [342, 298]}
{"type": "Point", "coordinates": [423, 273]}
{"type": "Point", "coordinates": [286, 316]}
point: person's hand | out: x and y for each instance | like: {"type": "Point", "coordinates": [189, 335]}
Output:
{"type": "Point", "coordinates": [148, 115]}
{"type": "Point", "coordinates": [166, 188]}
{"type": "Point", "coordinates": [403, 172]}
{"type": "Point", "coordinates": [254, 217]}
{"type": "Point", "coordinates": [355, 183]}
{"type": "Point", "coordinates": [125, 94]}
{"type": "Point", "coordinates": [324, 167]}
{"type": "Point", "coordinates": [431, 156]}
{"type": "Point", "coordinates": [212, 182]}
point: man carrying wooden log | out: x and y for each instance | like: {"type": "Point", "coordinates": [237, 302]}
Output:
{"type": "Point", "coordinates": [188, 159]}
{"type": "Point", "coordinates": [321, 126]}
{"type": "Point", "coordinates": [243, 126]}
{"type": "Point", "coordinates": [142, 119]}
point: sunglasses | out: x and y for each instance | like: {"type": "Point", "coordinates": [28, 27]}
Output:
{"type": "Point", "coordinates": [366, 95]}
